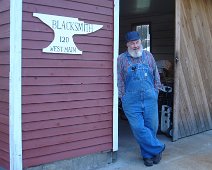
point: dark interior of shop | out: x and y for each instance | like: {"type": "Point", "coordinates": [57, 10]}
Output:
{"type": "Point", "coordinates": [155, 21]}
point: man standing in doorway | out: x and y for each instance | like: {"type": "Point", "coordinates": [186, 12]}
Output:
{"type": "Point", "coordinates": [138, 84]}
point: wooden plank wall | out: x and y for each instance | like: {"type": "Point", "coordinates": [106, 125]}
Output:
{"type": "Point", "coordinates": [4, 83]}
{"type": "Point", "coordinates": [195, 68]}
{"type": "Point", "coordinates": [162, 33]}
{"type": "Point", "coordinates": [67, 99]}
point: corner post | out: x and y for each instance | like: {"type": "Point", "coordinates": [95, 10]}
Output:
{"type": "Point", "coordinates": [115, 88]}
{"type": "Point", "coordinates": [15, 112]}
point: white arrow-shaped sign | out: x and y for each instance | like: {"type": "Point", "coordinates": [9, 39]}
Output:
{"type": "Point", "coordinates": [64, 28]}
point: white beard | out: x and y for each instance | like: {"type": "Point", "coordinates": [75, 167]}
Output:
{"type": "Point", "coordinates": [135, 53]}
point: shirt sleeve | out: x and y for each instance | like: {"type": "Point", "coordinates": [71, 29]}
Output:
{"type": "Point", "coordinates": [120, 75]}
{"type": "Point", "coordinates": [156, 75]}
{"type": "Point", "coordinates": [157, 82]}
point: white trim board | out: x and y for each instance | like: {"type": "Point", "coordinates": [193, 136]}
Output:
{"type": "Point", "coordinates": [115, 88]}
{"type": "Point", "coordinates": [15, 117]}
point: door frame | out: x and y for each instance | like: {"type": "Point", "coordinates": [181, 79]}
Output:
{"type": "Point", "coordinates": [115, 87]}
{"type": "Point", "coordinates": [15, 104]}
{"type": "Point", "coordinates": [176, 70]}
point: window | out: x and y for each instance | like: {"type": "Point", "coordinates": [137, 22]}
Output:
{"type": "Point", "coordinates": [144, 30]}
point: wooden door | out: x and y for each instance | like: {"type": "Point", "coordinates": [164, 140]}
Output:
{"type": "Point", "coordinates": [193, 68]}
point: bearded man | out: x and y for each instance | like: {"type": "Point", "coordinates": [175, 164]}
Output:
{"type": "Point", "coordinates": [138, 85]}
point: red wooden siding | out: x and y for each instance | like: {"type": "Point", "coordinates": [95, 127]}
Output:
{"type": "Point", "coordinates": [4, 83]}
{"type": "Point", "coordinates": [67, 99]}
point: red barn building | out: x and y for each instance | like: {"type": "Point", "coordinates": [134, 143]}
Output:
{"type": "Point", "coordinates": [58, 93]}
{"type": "Point", "coordinates": [66, 99]}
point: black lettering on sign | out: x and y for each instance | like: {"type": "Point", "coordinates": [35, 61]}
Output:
{"type": "Point", "coordinates": [64, 39]}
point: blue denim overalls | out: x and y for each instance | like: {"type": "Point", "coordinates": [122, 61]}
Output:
{"type": "Point", "coordinates": [141, 108]}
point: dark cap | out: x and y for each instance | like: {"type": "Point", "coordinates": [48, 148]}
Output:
{"type": "Point", "coordinates": [132, 36]}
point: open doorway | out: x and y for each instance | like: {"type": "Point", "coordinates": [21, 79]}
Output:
{"type": "Point", "coordinates": [155, 21]}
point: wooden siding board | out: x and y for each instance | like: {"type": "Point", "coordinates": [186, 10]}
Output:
{"type": "Point", "coordinates": [4, 95]}
{"type": "Point", "coordinates": [66, 155]}
{"type": "Point", "coordinates": [4, 108]}
{"type": "Point", "coordinates": [5, 58]}
{"type": "Point", "coordinates": [4, 156]}
{"type": "Point", "coordinates": [4, 34]}
{"type": "Point", "coordinates": [65, 80]}
{"type": "Point", "coordinates": [5, 19]}
{"type": "Point", "coordinates": [67, 138]}
{"type": "Point", "coordinates": [66, 121]}
{"type": "Point", "coordinates": [37, 152]}
{"type": "Point", "coordinates": [4, 128]}
{"type": "Point", "coordinates": [81, 15]}
{"type": "Point", "coordinates": [3, 160]}
{"type": "Point", "coordinates": [101, 3]}
{"type": "Point", "coordinates": [60, 89]}
{"type": "Point", "coordinates": [4, 70]}
{"type": "Point", "coordinates": [29, 53]}
{"type": "Point", "coordinates": [43, 133]}
{"type": "Point", "coordinates": [4, 163]}
{"type": "Point", "coordinates": [4, 137]}
{"type": "Point", "coordinates": [4, 5]}
{"type": "Point", "coordinates": [70, 5]}
{"type": "Point", "coordinates": [30, 108]}
{"type": "Point", "coordinates": [4, 119]}
{"type": "Point", "coordinates": [5, 44]}
{"type": "Point", "coordinates": [4, 82]}
{"type": "Point", "coordinates": [44, 63]}
{"type": "Point", "coordinates": [4, 147]}
{"type": "Point", "coordinates": [63, 72]}
{"type": "Point", "coordinates": [65, 97]}
{"type": "Point", "coordinates": [52, 115]}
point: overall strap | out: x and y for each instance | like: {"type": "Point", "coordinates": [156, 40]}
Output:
{"type": "Point", "coordinates": [143, 57]}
